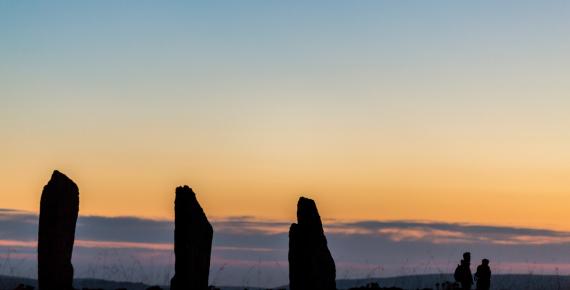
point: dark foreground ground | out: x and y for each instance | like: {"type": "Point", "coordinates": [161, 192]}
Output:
{"type": "Point", "coordinates": [499, 282]}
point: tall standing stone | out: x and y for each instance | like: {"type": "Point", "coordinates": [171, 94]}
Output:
{"type": "Point", "coordinates": [311, 266]}
{"type": "Point", "coordinates": [59, 207]}
{"type": "Point", "coordinates": [192, 242]}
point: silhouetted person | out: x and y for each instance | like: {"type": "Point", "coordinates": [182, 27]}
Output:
{"type": "Point", "coordinates": [483, 275]}
{"type": "Point", "coordinates": [463, 272]}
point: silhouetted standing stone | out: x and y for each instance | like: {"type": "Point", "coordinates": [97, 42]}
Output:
{"type": "Point", "coordinates": [59, 207]}
{"type": "Point", "coordinates": [192, 243]}
{"type": "Point", "coordinates": [311, 266]}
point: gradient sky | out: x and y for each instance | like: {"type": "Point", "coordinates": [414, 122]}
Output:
{"type": "Point", "coordinates": [449, 111]}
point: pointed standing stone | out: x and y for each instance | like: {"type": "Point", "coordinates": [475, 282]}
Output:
{"type": "Point", "coordinates": [311, 266]}
{"type": "Point", "coordinates": [192, 243]}
{"type": "Point", "coordinates": [59, 207]}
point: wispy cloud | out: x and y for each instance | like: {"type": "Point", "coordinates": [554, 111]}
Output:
{"type": "Point", "coordinates": [442, 233]}
{"type": "Point", "coordinates": [22, 226]}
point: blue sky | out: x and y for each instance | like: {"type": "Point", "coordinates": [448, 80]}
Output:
{"type": "Point", "coordinates": [116, 44]}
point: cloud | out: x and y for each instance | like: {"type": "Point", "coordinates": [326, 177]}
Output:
{"type": "Point", "coordinates": [22, 226]}
{"type": "Point", "coordinates": [438, 232]}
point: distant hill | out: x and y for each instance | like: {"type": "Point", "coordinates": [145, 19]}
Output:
{"type": "Point", "coordinates": [499, 282]}
{"type": "Point", "coordinates": [10, 282]}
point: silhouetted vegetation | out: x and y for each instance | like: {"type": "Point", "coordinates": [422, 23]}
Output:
{"type": "Point", "coordinates": [375, 285]}
{"type": "Point", "coordinates": [24, 287]}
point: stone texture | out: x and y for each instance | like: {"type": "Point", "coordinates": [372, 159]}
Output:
{"type": "Point", "coordinates": [59, 207]}
{"type": "Point", "coordinates": [311, 266]}
{"type": "Point", "coordinates": [192, 243]}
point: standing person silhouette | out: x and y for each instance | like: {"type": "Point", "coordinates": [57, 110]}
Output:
{"type": "Point", "coordinates": [483, 275]}
{"type": "Point", "coordinates": [463, 272]}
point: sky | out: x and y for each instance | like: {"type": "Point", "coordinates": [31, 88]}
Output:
{"type": "Point", "coordinates": [438, 111]}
